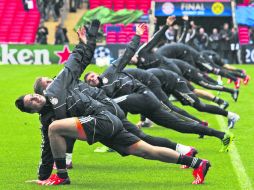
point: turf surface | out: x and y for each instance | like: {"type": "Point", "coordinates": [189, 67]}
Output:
{"type": "Point", "coordinates": [20, 146]}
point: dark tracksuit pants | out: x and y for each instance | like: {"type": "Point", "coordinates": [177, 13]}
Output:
{"type": "Point", "coordinates": [187, 97]}
{"type": "Point", "coordinates": [213, 68]}
{"type": "Point", "coordinates": [198, 79]}
{"type": "Point", "coordinates": [145, 102]}
{"type": "Point", "coordinates": [160, 94]}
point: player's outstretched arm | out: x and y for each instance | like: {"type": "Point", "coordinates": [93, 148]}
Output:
{"type": "Point", "coordinates": [157, 36]}
{"type": "Point", "coordinates": [132, 47]}
{"type": "Point", "coordinates": [77, 62]}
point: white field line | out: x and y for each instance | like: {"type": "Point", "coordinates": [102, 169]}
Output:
{"type": "Point", "coordinates": [243, 178]}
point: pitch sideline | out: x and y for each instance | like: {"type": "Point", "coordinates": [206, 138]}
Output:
{"type": "Point", "coordinates": [238, 166]}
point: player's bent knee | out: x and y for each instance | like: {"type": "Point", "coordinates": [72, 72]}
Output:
{"type": "Point", "coordinates": [54, 127]}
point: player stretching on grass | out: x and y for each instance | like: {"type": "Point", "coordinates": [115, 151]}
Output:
{"type": "Point", "coordinates": [89, 119]}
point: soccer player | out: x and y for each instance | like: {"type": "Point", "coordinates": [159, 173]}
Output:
{"type": "Point", "coordinates": [89, 119]}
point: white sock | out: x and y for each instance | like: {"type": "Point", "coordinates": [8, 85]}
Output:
{"type": "Point", "coordinates": [182, 149]}
{"type": "Point", "coordinates": [68, 158]}
{"type": "Point", "coordinates": [230, 115]}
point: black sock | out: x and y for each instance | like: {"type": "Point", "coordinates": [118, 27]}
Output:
{"type": "Point", "coordinates": [218, 100]}
{"type": "Point", "coordinates": [189, 161]}
{"type": "Point", "coordinates": [61, 167]}
{"type": "Point", "coordinates": [162, 142]}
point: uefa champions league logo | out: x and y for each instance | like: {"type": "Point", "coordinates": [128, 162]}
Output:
{"type": "Point", "coordinates": [102, 56]}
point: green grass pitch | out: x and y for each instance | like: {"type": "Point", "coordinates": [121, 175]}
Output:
{"type": "Point", "coordinates": [20, 146]}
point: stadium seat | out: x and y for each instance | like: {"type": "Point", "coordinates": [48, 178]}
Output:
{"type": "Point", "coordinates": [94, 3]}
{"type": "Point", "coordinates": [131, 4]}
{"type": "Point", "coordinates": [243, 34]}
{"type": "Point", "coordinates": [26, 22]}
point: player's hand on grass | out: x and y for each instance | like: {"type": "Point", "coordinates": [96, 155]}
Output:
{"type": "Point", "coordinates": [82, 34]}
{"type": "Point", "coordinates": [170, 20]}
{"type": "Point", "coordinates": [140, 29]}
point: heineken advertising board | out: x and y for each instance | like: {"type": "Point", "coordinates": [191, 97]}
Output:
{"type": "Point", "coordinates": [51, 54]}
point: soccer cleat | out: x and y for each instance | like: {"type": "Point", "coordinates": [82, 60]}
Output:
{"type": "Point", "coordinates": [246, 80]}
{"type": "Point", "coordinates": [232, 119]}
{"type": "Point", "coordinates": [200, 172]}
{"type": "Point", "coordinates": [235, 95]}
{"type": "Point", "coordinates": [55, 180]}
{"type": "Point", "coordinates": [103, 149]}
{"type": "Point", "coordinates": [191, 153]}
{"type": "Point", "coordinates": [226, 142]}
{"type": "Point", "coordinates": [237, 83]}
{"type": "Point", "coordinates": [224, 105]}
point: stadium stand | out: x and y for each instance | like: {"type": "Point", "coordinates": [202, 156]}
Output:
{"type": "Point", "coordinates": [22, 24]}
{"type": "Point", "coordinates": [118, 33]}
{"type": "Point", "coordinates": [243, 33]}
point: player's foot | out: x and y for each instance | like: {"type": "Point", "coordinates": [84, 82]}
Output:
{"type": "Point", "coordinates": [55, 180]}
{"type": "Point", "coordinates": [226, 142]}
{"type": "Point", "coordinates": [205, 124]}
{"type": "Point", "coordinates": [200, 172]}
{"type": "Point", "coordinates": [237, 83]}
{"type": "Point", "coordinates": [235, 95]}
{"type": "Point", "coordinates": [191, 153]}
{"type": "Point", "coordinates": [103, 149]}
{"type": "Point", "coordinates": [246, 80]}
{"type": "Point", "coordinates": [232, 119]}
{"type": "Point", "coordinates": [224, 105]}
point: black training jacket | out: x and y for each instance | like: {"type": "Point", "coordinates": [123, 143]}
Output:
{"type": "Point", "coordinates": [114, 81]}
{"type": "Point", "coordinates": [146, 57]}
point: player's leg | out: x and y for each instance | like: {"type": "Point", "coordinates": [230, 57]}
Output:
{"type": "Point", "coordinates": [161, 95]}
{"type": "Point", "coordinates": [200, 80]}
{"type": "Point", "coordinates": [158, 141]}
{"type": "Point", "coordinates": [209, 96]}
{"type": "Point", "coordinates": [58, 130]}
{"type": "Point", "coordinates": [70, 145]}
{"type": "Point", "coordinates": [147, 151]}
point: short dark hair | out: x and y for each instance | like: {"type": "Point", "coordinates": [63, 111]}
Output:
{"type": "Point", "coordinates": [86, 75]}
{"type": "Point", "coordinates": [38, 88]}
{"type": "Point", "coordinates": [19, 103]}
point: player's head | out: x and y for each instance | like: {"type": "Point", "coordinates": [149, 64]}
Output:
{"type": "Point", "coordinates": [30, 103]}
{"type": "Point", "coordinates": [134, 60]}
{"type": "Point", "coordinates": [41, 84]}
{"type": "Point", "coordinates": [92, 79]}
